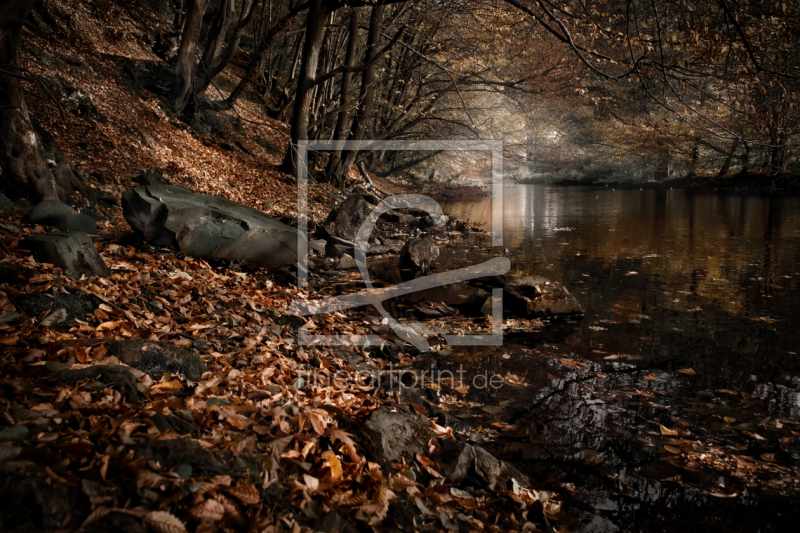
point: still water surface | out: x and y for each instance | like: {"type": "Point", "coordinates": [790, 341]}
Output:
{"type": "Point", "coordinates": [674, 403]}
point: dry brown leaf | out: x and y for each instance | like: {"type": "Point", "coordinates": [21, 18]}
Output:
{"type": "Point", "coordinates": [208, 510]}
{"type": "Point", "coordinates": [245, 493]}
{"type": "Point", "coordinates": [164, 522]}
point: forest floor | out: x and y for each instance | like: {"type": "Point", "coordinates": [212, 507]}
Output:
{"type": "Point", "coordinates": [243, 443]}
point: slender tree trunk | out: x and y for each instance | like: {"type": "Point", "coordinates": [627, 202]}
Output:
{"type": "Point", "coordinates": [315, 31]}
{"type": "Point", "coordinates": [366, 96]}
{"type": "Point", "coordinates": [340, 131]}
{"type": "Point", "coordinates": [29, 162]}
{"type": "Point", "coordinates": [727, 164]}
{"type": "Point", "coordinates": [184, 64]}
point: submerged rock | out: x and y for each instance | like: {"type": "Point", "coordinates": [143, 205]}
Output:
{"type": "Point", "coordinates": [203, 225]}
{"type": "Point", "coordinates": [73, 252]}
{"type": "Point", "coordinates": [536, 295]}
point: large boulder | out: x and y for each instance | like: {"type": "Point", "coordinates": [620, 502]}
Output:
{"type": "Point", "coordinates": [536, 295]}
{"type": "Point", "coordinates": [73, 252]}
{"type": "Point", "coordinates": [60, 216]}
{"type": "Point", "coordinates": [419, 254]}
{"type": "Point", "coordinates": [391, 436]}
{"type": "Point", "coordinates": [203, 225]}
{"type": "Point", "coordinates": [345, 221]}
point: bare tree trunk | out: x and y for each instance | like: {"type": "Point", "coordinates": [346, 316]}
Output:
{"type": "Point", "coordinates": [727, 164]}
{"type": "Point", "coordinates": [184, 64]}
{"type": "Point", "coordinates": [340, 131]}
{"type": "Point", "coordinates": [315, 31]}
{"type": "Point", "coordinates": [361, 122]}
{"type": "Point", "coordinates": [29, 162]}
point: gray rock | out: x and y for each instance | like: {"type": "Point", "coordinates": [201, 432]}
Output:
{"type": "Point", "coordinates": [345, 221]}
{"type": "Point", "coordinates": [14, 433]}
{"type": "Point", "coordinates": [337, 247]}
{"type": "Point", "coordinates": [204, 225]}
{"type": "Point", "coordinates": [398, 218]}
{"type": "Point", "coordinates": [389, 437]}
{"type": "Point", "coordinates": [73, 252]}
{"type": "Point", "coordinates": [347, 263]}
{"type": "Point", "coordinates": [536, 295]}
{"type": "Point", "coordinates": [465, 464]}
{"type": "Point", "coordinates": [317, 245]}
{"type": "Point", "coordinates": [378, 249]}
{"type": "Point", "coordinates": [5, 204]}
{"type": "Point", "coordinates": [61, 216]}
{"type": "Point", "coordinates": [419, 254]}
{"type": "Point", "coordinates": [429, 221]}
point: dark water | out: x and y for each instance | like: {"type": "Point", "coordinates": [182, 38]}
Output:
{"type": "Point", "coordinates": [692, 307]}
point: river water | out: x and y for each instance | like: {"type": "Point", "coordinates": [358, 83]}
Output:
{"type": "Point", "coordinates": [673, 404]}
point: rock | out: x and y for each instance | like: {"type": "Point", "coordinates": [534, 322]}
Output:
{"type": "Point", "coordinates": [60, 216]}
{"type": "Point", "coordinates": [116, 376]}
{"type": "Point", "coordinates": [5, 204]}
{"type": "Point", "coordinates": [176, 452]}
{"type": "Point", "coordinates": [152, 357]}
{"type": "Point", "coordinates": [429, 221]}
{"type": "Point", "coordinates": [204, 225]}
{"type": "Point", "coordinates": [389, 437]}
{"type": "Point", "coordinates": [317, 245]}
{"type": "Point", "coordinates": [418, 254]}
{"type": "Point", "coordinates": [398, 218]}
{"type": "Point", "coordinates": [378, 249]}
{"type": "Point", "coordinates": [347, 263]}
{"type": "Point", "coordinates": [468, 465]}
{"type": "Point", "coordinates": [464, 297]}
{"type": "Point", "coordinates": [535, 295]}
{"type": "Point", "coordinates": [345, 221]}
{"type": "Point", "coordinates": [151, 177]}
{"type": "Point", "coordinates": [337, 247]}
{"type": "Point", "coordinates": [73, 252]}
{"type": "Point", "coordinates": [76, 304]}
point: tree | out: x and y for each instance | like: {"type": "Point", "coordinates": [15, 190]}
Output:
{"type": "Point", "coordinates": [29, 160]}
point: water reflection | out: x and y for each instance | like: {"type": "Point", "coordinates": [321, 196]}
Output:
{"type": "Point", "coordinates": [691, 303]}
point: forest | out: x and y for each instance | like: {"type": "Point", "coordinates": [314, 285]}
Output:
{"type": "Point", "coordinates": [206, 326]}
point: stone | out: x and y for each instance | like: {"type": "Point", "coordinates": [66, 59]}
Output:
{"type": "Point", "coordinates": [345, 221]}
{"type": "Point", "coordinates": [152, 357]}
{"type": "Point", "coordinates": [347, 262]}
{"type": "Point", "coordinates": [5, 204]}
{"type": "Point", "coordinates": [398, 218]}
{"type": "Point", "coordinates": [462, 296]}
{"type": "Point", "coordinates": [337, 247]}
{"type": "Point", "coordinates": [536, 295]}
{"type": "Point", "coordinates": [78, 305]}
{"type": "Point", "coordinates": [467, 465]}
{"type": "Point", "coordinates": [60, 216]}
{"type": "Point", "coordinates": [429, 221]}
{"type": "Point", "coordinates": [419, 254]}
{"type": "Point", "coordinates": [207, 226]}
{"type": "Point", "coordinates": [73, 252]}
{"type": "Point", "coordinates": [317, 245]}
{"type": "Point", "coordinates": [390, 436]}
{"type": "Point", "coordinates": [32, 500]}
{"type": "Point", "coordinates": [378, 249]}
